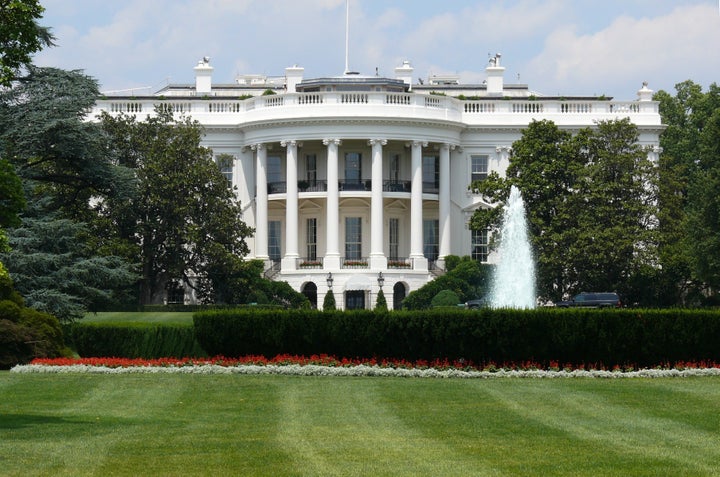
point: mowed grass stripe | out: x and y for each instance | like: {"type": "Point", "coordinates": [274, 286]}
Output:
{"type": "Point", "coordinates": [295, 426]}
{"type": "Point", "coordinates": [349, 427]}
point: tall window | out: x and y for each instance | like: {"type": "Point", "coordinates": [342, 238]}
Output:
{"type": "Point", "coordinates": [274, 235]}
{"type": "Point", "coordinates": [431, 239]}
{"type": "Point", "coordinates": [274, 169]}
{"type": "Point", "coordinates": [353, 167]}
{"type": "Point", "coordinates": [311, 239]}
{"type": "Point", "coordinates": [394, 232]}
{"type": "Point", "coordinates": [311, 168]}
{"type": "Point", "coordinates": [353, 238]}
{"type": "Point", "coordinates": [430, 173]}
{"type": "Point", "coordinates": [225, 164]}
{"type": "Point", "coordinates": [395, 167]}
{"type": "Point", "coordinates": [479, 250]}
{"type": "Point", "coordinates": [478, 168]}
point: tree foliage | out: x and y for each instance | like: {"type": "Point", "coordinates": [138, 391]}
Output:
{"type": "Point", "coordinates": [183, 220]}
{"type": "Point", "coordinates": [465, 277]}
{"type": "Point", "coordinates": [690, 189]}
{"type": "Point", "coordinates": [590, 204]}
{"type": "Point", "coordinates": [20, 36]}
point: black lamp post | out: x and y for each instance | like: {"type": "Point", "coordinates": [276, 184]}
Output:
{"type": "Point", "coordinates": [381, 280]}
{"type": "Point", "coordinates": [330, 280]}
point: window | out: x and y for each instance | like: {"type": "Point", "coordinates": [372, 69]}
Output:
{"type": "Point", "coordinates": [311, 239]}
{"type": "Point", "coordinates": [395, 167]}
{"type": "Point", "coordinates": [479, 247]}
{"type": "Point", "coordinates": [431, 240]}
{"type": "Point", "coordinates": [274, 169]}
{"type": "Point", "coordinates": [430, 173]}
{"type": "Point", "coordinates": [394, 232]}
{"type": "Point", "coordinates": [354, 300]}
{"type": "Point", "coordinates": [353, 167]}
{"type": "Point", "coordinates": [274, 235]}
{"type": "Point", "coordinates": [353, 238]}
{"type": "Point", "coordinates": [225, 163]}
{"type": "Point", "coordinates": [478, 168]}
{"type": "Point", "coordinates": [311, 168]}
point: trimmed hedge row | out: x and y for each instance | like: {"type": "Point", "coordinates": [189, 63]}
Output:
{"type": "Point", "coordinates": [134, 340]}
{"type": "Point", "coordinates": [573, 336]}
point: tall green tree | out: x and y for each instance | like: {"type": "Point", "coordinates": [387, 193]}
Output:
{"type": "Point", "coordinates": [20, 36]}
{"type": "Point", "coordinates": [183, 221]}
{"type": "Point", "coordinates": [590, 203]}
{"type": "Point", "coordinates": [690, 219]}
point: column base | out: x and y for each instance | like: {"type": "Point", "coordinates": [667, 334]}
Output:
{"type": "Point", "coordinates": [331, 262]}
{"type": "Point", "coordinates": [289, 262]}
{"type": "Point", "coordinates": [420, 263]}
{"type": "Point", "coordinates": [378, 262]}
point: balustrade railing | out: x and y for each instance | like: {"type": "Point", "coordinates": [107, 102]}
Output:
{"type": "Point", "coordinates": [361, 262]}
{"type": "Point", "coordinates": [309, 262]}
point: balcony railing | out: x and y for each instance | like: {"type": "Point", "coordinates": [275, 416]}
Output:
{"type": "Point", "coordinates": [309, 262]}
{"type": "Point", "coordinates": [399, 263]}
{"type": "Point", "coordinates": [354, 262]}
{"type": "Point", "coordinates": [352, 185]}
{"type": "Point", "coordinates": [410, 105]}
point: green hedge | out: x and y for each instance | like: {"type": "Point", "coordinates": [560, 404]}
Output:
{"type": "Point", "coordinates": [607, 337]}
{"type": "Point", "coordinates": [134, 340]}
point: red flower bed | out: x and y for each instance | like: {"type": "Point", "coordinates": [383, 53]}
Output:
{"type": "Point", "coordinates": [332, 361]}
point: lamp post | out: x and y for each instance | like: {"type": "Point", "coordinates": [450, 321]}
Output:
{"type": "Point", "coordinates": [381, 280]}
{"type": "Point", "coordinates": [329, 280]}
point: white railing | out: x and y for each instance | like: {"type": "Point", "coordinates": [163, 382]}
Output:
{"type": "Point", "coordinates": [384, 104]}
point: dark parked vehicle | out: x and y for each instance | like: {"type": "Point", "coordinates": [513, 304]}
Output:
{"type": "Point", "coordinates": [476, 303]}
{"type": "Point", "coordinates": [593, 300]}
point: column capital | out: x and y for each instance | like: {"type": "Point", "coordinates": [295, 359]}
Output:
{"type": "Point", "coordinates": [291, 143]}
{"type": "Point", "coordinates": [449, 146]}
{"type": "Point", "coordinates": [258, 147]}
{"type": "Point", "coordinates": [372, 142]}
{"type": "Point", "coordinates": [503, 149]}
{"type": "Point", "coordinates": [327, 142]}
{"type": "Point", "coordinates": [416, 143]}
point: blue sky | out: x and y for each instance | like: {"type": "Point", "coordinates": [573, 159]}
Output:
{"type": "Point", "coordinates": [557, 47]}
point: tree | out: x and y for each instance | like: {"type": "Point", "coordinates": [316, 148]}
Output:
{"type": "Point", "coordinates": [329, 301]}
{"type": "Point", "coordinates": [58, 273]}
{"type": "Point", "coordinates": [184, 220]}
{"type": "Point", "coordinates": [466, 277]}
{"type": "Point", "coordinates": [20, 36]}
{"type": "Point", "coordinates": [381, 302]}
{"type": "Point", "coordinates": [689, 217]}
{"type": "Point", "coordinates": [590, 202]}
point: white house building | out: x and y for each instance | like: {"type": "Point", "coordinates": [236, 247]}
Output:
{"type": "Point", "coordinates": [360, 183]}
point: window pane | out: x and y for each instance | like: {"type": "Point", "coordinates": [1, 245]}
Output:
{"type": "Point", "coordinates": [353, 238]}
{"type": "Point", "coordinates": [431, 242]}
{"type": "Point", "coordinates": [394, 232]}
{"type": "Point", "coordinates": [353, 166]}
{"type": "Point", "coordinates": [431, 171]}
{"type": "Point", "coordinates": [478, 168]}
{"type": "Point", "coordinates": [311, 239]}
{"type": "Point", "coordinates": [274, 234]}
{"type": "Point", "coordinates": [274, 169]}
{"type": "Point", "coordinates": [311, 168]}
{"type": "Point", "coordinates": [479, 249]}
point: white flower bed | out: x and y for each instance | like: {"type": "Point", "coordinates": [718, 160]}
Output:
{"type": "Point", "coordinates": [363, 370]}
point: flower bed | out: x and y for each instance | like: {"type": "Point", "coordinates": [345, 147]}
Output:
{"type": "Point", "coordinates": [324, 365]}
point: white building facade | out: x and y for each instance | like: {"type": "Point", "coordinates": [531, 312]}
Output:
{"type": "Point", "coordinates": [358, 184]}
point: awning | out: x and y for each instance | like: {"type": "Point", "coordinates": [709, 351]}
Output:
{"type": "Point", "coordinates": [358, 282]}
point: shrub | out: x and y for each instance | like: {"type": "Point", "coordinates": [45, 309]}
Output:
{"type": "Point", "coordinates": [445, 298]}
{"type": "Point", "coordinates": [329, 301]}
{"type": "Point", "coordinates": [381, 302]}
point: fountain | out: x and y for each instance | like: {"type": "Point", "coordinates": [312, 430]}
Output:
{"type": "Point", "coordinates": [513, 283]}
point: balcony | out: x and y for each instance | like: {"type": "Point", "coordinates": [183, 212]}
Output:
{"type": "Point", "coordinates": [361, 262]}
{"type": "Point", "coordinates": [352, 186]}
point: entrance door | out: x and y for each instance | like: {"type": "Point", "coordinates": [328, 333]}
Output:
{"type": "Point", "coordinates": [310, 291]}
{"type": "Point", "coordinates": [398, 295]}
{"type": "Point", "coordinates": [355, 300]}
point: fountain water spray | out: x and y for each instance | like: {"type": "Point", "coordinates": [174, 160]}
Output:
{"type": "Point", "coordinates": [513, 284]}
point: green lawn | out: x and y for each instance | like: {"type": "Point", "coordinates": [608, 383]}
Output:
{"type": "Point", "coordinates": [103, 425]}
{"type": "Point", "coordinates": [170, 317]}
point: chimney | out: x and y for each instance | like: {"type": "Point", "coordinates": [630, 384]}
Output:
{"type": "Point", "coordinates": [404, 72]}
{"type": "Point", "coordinates": [293, 76]}
{"type": "Point", "coordinates": [645, 93]}
{"type": "Point", "coordinates": [203, 76]}
{"type": "Point", "coordinates": [495, 76]}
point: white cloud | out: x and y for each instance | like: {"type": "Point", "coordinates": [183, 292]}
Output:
{"type": "Point", "coordinates": [663, 50]}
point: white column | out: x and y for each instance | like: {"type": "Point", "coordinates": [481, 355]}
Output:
{"type": "Point", "coordinates": [332, 250]}
{"type": "Point", "coordinates": [444, 205]}
{"type": "Point", "coordinates": [377, 257]}
{"type": "Point", "coordinates": [261, 203]}
{"type": "Point", "coordinates": [289, 261]}
{"type": "Point", "coordinates": [416, 217]}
